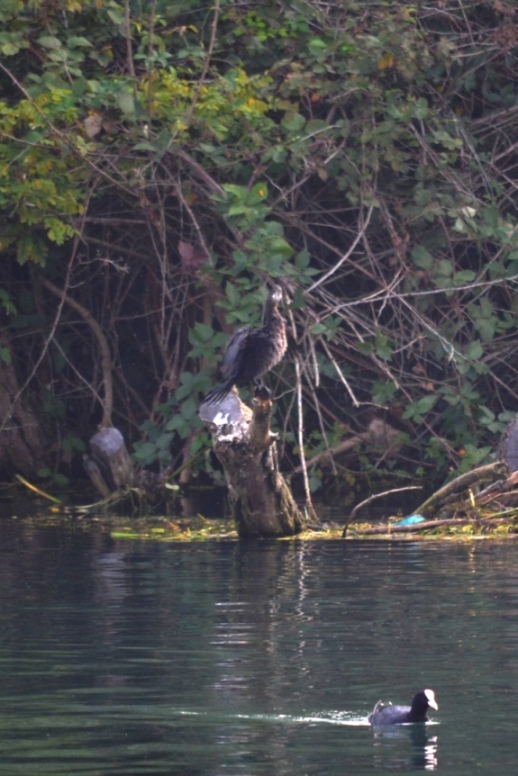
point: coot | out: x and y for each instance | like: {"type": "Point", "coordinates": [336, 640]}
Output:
{"type": "Point", "coordinates": [395, 715]}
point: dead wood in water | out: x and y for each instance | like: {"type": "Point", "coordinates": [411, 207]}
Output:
{"type": "Point", "coordinates": [458, 488]}
{"type": "Point", "coordinates": [372, 498]}
{"type": "Point", "coordinates": [455, 504]}
{"type": "Point", "coordinates": [261, 502]}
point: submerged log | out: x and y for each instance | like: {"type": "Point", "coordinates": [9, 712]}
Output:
{"type": "Point", "coordinates": [261, 502]}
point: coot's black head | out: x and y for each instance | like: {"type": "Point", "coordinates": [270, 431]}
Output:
{"type": "Point", "coordinates": [421, 702]}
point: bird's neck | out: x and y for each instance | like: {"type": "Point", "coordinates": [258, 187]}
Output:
{"type": "Point", "coordinates": [271, 316]}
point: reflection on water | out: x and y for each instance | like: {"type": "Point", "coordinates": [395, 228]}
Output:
{"type": "Point", "coordinates": [403, 746]}
{"type": "Point", "coordinates": [254, 658]}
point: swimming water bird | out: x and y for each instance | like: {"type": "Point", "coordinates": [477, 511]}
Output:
{"type": "Point", "coordinates": [395, 715]}
{"type": "Point", "coordinates": [251, 353]}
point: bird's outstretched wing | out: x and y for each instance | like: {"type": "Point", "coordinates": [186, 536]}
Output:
{"type": "Point", "coordinates": [231, 362]}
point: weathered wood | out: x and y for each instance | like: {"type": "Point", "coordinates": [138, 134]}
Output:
{"type": "Point", "coordinates": [109, 466]}
{"type": "Point", "coordinates": [443, 505]}
{"type": "Point", "coordinates": [96, 478]}
{"type": "Point", "coordinates": [453, 490]}
{"type": "Point", "coordinates": [508, 448]}
{"type": "Point", "coordinates": [498, 489]}
{"type": "Point", "coordinates": [261, 502]}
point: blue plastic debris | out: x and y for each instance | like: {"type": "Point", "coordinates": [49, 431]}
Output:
{"type": "Point", "coordinates": [412, 520]}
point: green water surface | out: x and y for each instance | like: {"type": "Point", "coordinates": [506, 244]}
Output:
{"type": "Point", "coordinates": [256, 658]}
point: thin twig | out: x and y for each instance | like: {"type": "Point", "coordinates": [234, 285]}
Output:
{"type": "Point", "coordinates": [307, 489]}
{"type": "Point", "coordinates": [106, 360]}
{"type": "Point", "coordinates": [47, 341]}
{"type": "Point", "coordinates": [129, 46]}
{"type": "Point", "coordinates": [374, 498]}
{"type": "Point", "coordinates": [339, 372]}
{"type": "Point", "coordinates": [206, 64]}
{"type": "Point", "coordinates": [345, 256]}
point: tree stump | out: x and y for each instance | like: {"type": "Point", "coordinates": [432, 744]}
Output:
{"type": "Point", "coordinates": [109, 466]}
{"type": "Point", "coordinates": [261, 502]}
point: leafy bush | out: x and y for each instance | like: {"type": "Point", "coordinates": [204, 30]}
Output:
{"type": "Point", "coordinates": [161, 164]}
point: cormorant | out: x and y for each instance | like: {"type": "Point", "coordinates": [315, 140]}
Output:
{"type": "Point", "coordinates": [251, 353]}
{"type": "Point", "coordinates": [396, 715]}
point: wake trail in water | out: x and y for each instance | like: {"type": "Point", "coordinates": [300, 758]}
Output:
{"type": "Point", "coordinates": [326, 718]}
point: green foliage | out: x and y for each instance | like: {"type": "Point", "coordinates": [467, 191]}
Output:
{"type": "Point", "coordinates": [176, 420]}
{"type": "Point", "coordinates": [417, 410]}
{"type": "Point", "coordinates": [53, 406]}
{"type": "Point", "coordinates": [360, 154]}
{"type": "Point", "coordinates": [6, 302]}
{"type": "Point", "coordinates": [54, 477]}
{"type": "Point", "coordinates": [5, 355]}
{"type": "Point", "coordinates": [72, 444]}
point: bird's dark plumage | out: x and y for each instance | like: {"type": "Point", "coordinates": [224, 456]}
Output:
{"type": "Point", "coordinates": [251, 353]}
{"type": "Point", "coordinates": [396, 715]}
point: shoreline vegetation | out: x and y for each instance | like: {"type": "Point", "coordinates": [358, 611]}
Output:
{"type": "Point", "coordinates": [481, 525]}
{"type": "Point", "coordinates": [482, 503]}
{"type": "Point", "coordinates": [479, 503]}
{"type": "Point", "coordinates": [162, 165]}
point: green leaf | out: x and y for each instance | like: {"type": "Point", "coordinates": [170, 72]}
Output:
{"type": "Point", "coordinates": [9, 49]}
{"type": "Point", "coordinates": [383, 392]}
{"type": "Point", "coordinates": [383, 346]}
{"type": "Point", "coordinates": [294, 122]}
{"type": "Point", "coordinates": [75, 42]}
{"type": "Point", "coordinates": [421, 257]}
{"type": "Point", "coordinates": [417, 409]}
{"type": "Point", "coordinates": [302, 259]}
{"type": "Point", "coordinates": [317, 43]}
{"type": "Point", "coordinates": [474, 350]}
{"type": "Point", "coordinates": [257, 194]}
{"type": "Point", "coordinates": [237, 210]}
{"type": "Point", "coordinates": [145, 453]}
{"type": "Point", "coordinates": [115, 15]}
{"type": "Point", "coordinates": [49, 41]}
{"type": "Point", "coordinates": [232, 295]}
{"type": "Point", "coordinates": [464, 277]}
{"type": "Point", "coordinates": [126, 103]}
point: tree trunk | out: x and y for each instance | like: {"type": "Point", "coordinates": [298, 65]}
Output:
{"type": "Point", "coordinates": [261, 502]}
{"type": "Point", "coordinates": [21, 448]}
